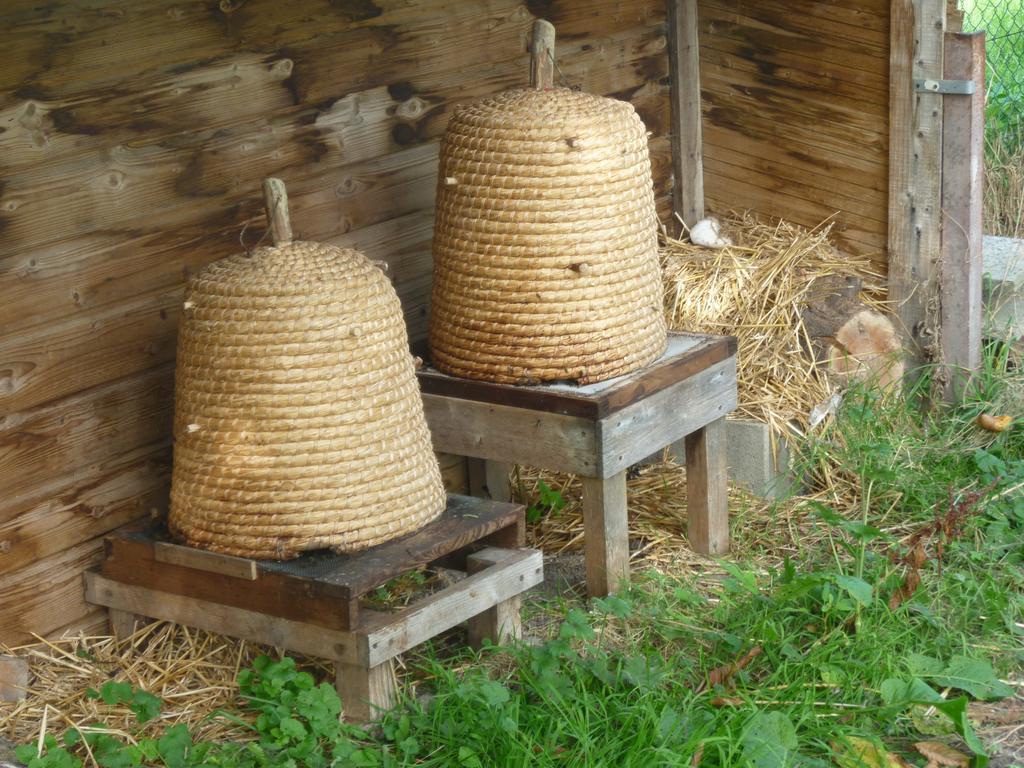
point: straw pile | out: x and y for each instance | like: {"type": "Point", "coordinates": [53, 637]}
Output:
{"type": "Point", "coordinates": [658, 517]}
{"type": "Point", "coordinates": [754, 291]}
{"type": "Point", "coordinates": [192, 671]}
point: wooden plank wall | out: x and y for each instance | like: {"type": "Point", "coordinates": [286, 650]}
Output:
{"type": "Point", "coordinates": [796, 113]}
{"type": "Point", "coordinates": [133, 138]}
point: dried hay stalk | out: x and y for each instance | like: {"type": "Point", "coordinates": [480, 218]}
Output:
{"type": "Point", "coordinates": [754, 290]}
{"type": "Point", "coordinates": [192, 671]}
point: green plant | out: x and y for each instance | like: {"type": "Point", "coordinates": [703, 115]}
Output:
{"type": "Point", "coordinates": [549, 502]}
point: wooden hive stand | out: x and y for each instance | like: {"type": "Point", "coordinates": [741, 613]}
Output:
{"type": "Point", "coordinates": [597, 431]}
{"type": "Point", "coordinates": [311, 605]}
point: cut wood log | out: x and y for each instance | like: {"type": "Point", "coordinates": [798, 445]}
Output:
{"type": "Point", "coordinates": [848, 339]}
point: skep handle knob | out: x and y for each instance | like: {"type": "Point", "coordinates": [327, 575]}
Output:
{"type": "Point", "coordinates": [275, 199]}
{"type": "Point", "coordinates": [542, 55]}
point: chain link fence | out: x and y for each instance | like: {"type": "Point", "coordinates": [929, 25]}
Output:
{"type": "Point", "coordinates": [1003, 22]}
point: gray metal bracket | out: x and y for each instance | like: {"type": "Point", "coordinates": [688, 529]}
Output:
{"type": "Point", "coordinates": [950, 87]}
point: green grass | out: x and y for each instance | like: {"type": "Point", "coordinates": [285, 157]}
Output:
{"type": "Point", "coordinates": [834, 671]}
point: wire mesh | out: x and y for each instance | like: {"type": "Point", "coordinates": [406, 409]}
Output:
{"type": "Point", "coordinates": [1003, 22]}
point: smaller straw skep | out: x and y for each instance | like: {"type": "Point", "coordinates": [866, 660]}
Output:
{"type": "Point", "coordinates": [545, 241]}
{"type": "Point", "coordinates": [298, 423]}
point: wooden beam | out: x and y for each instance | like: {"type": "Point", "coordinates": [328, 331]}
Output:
{"type": "Point", "coordinates": [915, 167]}
{"type": "Point", "coordinates": [684, 65]}
{"type": "Point", "coordinates": [963, 129]}
{"type": "Point", "coordinates": [506, 577]}
{"type": "Point", "coordinates": [707, 491]}
{"type": "Point", "coordinates": [606, 534]}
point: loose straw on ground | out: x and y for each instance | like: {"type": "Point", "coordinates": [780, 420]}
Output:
{"type": "Point", "coordinates": [755, 290]}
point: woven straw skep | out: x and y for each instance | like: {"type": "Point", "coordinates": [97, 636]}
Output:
{"type": "Point", "coordinates": [298, 422]}
{"type": "Point", "coordinates": [545, 241]}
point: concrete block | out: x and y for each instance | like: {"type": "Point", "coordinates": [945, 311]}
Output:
{"type": "Point", "coordinates": [1003, 287]}
{"type": "Point", "coordinates": [13, 678]}
{"type": "Point", "coordinates": [752, 462]}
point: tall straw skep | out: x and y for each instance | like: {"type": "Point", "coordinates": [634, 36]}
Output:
{"type": "Point", "coordinates": [545, 242]}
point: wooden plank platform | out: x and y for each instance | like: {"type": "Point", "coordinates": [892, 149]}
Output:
{"type": "Point", "coordinates": [597, 431]}
{"type": "Point", "coordinates": [686, 355]}
{"type": "Point", "coordinates": [321, 588]}
{"type": "Point", "coordinates": [311, 604]}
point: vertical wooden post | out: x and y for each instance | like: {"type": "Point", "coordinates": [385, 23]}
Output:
{"type": "Point", "coordinates": [123, 624]}
{"type": "Point", "coordinates": [687, 136]}
{"type": "Point", "coordinates": [605, 534]}
{"type": "Point", "coordinates": [365, 693]}
{"type": "Point", "coordinates": [707, 489]}
{"type": "Point", "coordinates": [499, 487]}
{"type": "Point", "coordinates": [476, 475]}
{"type": "Point", "coordinates": [963, 128]}
{"type": "Point", "coordinates": [915, 167]}
{"type": "Point", "coordinates": [501, 623]}
{"type": "Point", "coordinates": [542, 55]}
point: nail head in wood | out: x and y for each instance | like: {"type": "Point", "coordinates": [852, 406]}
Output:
{"type": "Point", "coordinates": [275, 199]}
{"type": "Point", "coordinates": [542, 55]}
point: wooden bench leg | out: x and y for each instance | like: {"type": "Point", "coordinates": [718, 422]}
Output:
{"type": "Point", "coordinates": [707, 489]}
{"type": "Point", "coordinates": [606, 534]}
{"type": "Point", "coordinates": [499, 624]}
{"type": "Point", "coordinates": [499, 484]}
{"type": "Point", "coordinates": [123, 624]}
{"type": "Point", "coordinates": [366, 693]}
{"type": "Point", "coordinates": [490, 479]}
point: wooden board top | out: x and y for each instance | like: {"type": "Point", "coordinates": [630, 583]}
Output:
{"type": "Point", "coordinates": [686, 355]}
{"type": "Point", "coordinates": [464, 521]}
{"type": "Point", "coordinates": [344, 577]}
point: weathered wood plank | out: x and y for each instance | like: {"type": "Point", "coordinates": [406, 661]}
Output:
{"type": "Point", "coordinates": [82, 434]}
{"type": "Point", "coordinates": [728, 194]}
{"type": "Point", "coordinates": [864, 176]}
{"type": "Point", "coordinates": [365, 693]}
{"type": "Point", "coordinates": [46, 595]}
{"type": "Point", "coordinates": [214, 617]}
{"type": "Point", "coordinates": [635, 432]}
{"type": "Point", "coordinates": [848, 125]}
{"type": "Point", "coordinates": [464, 521]}
{"type": "Point", "coordinates": [771, 49]}
{"type": "Point", "coordinates": [59, 359]}
{"type": "Point", "coordinates": [916, 166]}
{"type": "Point", "coordinates": [823, 82]}
{"type": "Point", "coordinates": [132, 559]}
{"type": "Point", "coordinates": [605, 534]}
{"type": "Point", "coordinates": [515, 435]}
{"type": "Point", "coordinates": [502, 623]}
{"type": "Point", "coordinates": [201, 560]}
{"type": "Point", "coordinates": [13, 678]}
{"type": "Point", "coordinates": [687, 144]}
{"type": "Point", "coordinates": [866, 212]}
{"type": "Point", "coordinates": [963, 166]}
{"type": "Point", "coordinates": [842, 27]}
{"type": "Point", "coordinates": [83, 504]}
{"type": "Point", "coordinates": [707, 492]}
{"type": "Point", "coordinates": [685, 355]}
{"type": "Point", "coordinates": [736, 116]}
{"type": "Point", "coordinates": [504, 579]}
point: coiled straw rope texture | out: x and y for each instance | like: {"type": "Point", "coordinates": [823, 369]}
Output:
{"type": "Point", "coordinates": [545, 241]}
{"type": "Point", "coordinates": [298, 422]}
